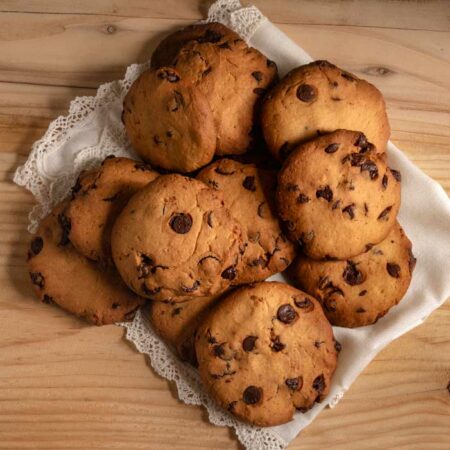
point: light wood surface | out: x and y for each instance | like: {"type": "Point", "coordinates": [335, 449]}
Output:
{"type": "Point", "coordinates": [65, 385]}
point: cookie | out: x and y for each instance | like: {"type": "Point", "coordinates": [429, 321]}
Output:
{"type": "Point", "coordinates": [266, 350]}
{"type": "Point", "coordinates": [249, 195]}
{"type": "Point", "coordinates": [175, 238]}
{"type": "Point", "coordinates": [176, 322]}
{"type": "Point", "coordinates": [169, 47]}
{"type": "Point", "coordinates": [61, 275]}
{"type": "Point", "coordinates": [337, 196]}
{"type": "Point", "coordinates": [233, 77]}
{"type": "Point", "coordinates": [97, 199]}
{"type": "Point", "coordinates": [318, 98]}
{"type": "Point", "coordinates": [359, 291]}
{"type": "Point", "coordinates": [169, 122]}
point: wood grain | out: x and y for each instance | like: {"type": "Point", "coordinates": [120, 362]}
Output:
{"type": "Point", "coordinates": [65, 385]}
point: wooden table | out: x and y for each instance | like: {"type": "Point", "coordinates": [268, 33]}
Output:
{"type": "Point", "coordinates": [66, 385]}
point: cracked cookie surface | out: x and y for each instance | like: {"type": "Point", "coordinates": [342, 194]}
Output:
{"type": "Point", "coordinates": [175, 238]}
{"type": "Point", "coordinates": [62, 276]}
{"type": "Point", "coordinates": [213, 32]}
{"type": "Point", "coordinates": [359, 291]}
{"type": "Point", "coordinates": [97, 199]}
{"type": "Point", "coordinates": [169, 122]}
{"type": "Point", "coordinates": [320, 98]}
{"type": "Point", "coordinates": [337, 196]}
{"type": "Point", "coordinates": [234, 78]}
{"type": "Point", "coordinates": [266, 350]}
{"type": "Point", "coordinates": [249, 195]}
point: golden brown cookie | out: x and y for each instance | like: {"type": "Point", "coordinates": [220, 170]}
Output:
{"type": "Point", "coordinates": [318, 98]}
{"type": "Point", "coordinates": [97, 199]}
{"type": "Point", "coordinates": [233, 77]}
{"type": "Point", "coordinates": [168, 48]}
{"type": "Point", "coordinates": [249, 195]}
{"type": "Point", "coordinates": [359, 291]}
{"type": "Point", "coordinates": [61, 275]}
{"type": "Point", "coordinates": [337, 196]}
{"type": "Point", "coordinates": [266, 350]}
{"type": "Point", "coordinates": [169, 122]}
{"type": "Point", "coordinates": [175, 238]}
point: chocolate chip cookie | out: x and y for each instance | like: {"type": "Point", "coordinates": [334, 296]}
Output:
{"type": "Point", "coordinates": [169, 122]}
{"type": "Point", "coordinates": [62, 276]}
{"type": "Point", "coordinates": [249, 195]}
{"type": "Point", "coordinates": [213, 32]}
{"type": "Point", "coordinates": [359, 291]}
{"type": "Point", "coordinates": [337, 196]}
{"type": "Point", "coordinates": [266, 350]}
{"type": "Point", "coordinates": [234, 78]}
{"type": "Point", "coordinates": [318, 98]}
{"type": "Point", "coordinates": [97, 198]}
{"type": "Point", "coordinates": [176, 322]}
{"type": "Point", "coordinates": [175, 238]}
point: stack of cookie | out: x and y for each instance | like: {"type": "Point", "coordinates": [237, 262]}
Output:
{"type": "Point", "coordinates": [196, 243]}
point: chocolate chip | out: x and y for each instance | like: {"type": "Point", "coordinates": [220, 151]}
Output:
{"type": "Point", "coordinates": [412, 261]}
{"type": "Point", "coordinates": [38, 279]}
{"type": "Point", "coordinates": [193, 288]}
{"type": "Point", "coordinates": [270, 63]}
{"type": "Point", "coordinates": [145, 266]}
{"type": "Point", "coordinates": [225, 45]}
{"type": "Point", "coordinates": [64, 223]}
{"type": "Point", "coordinates": [259, 91]}
{"type": "Point", "coordinates": [176, 311]}
{"type": "Point", "coordinates": [229, 273]}
{"type": "Point", "coordinates": [115, 305]}
{"type": "Point", "coordinates": [218, 350]}
{"type": "Point", "coordinates": [306, 93]}
{"type": "Point", "coordinates": [261, 210]}
{"type": "Point", "coordinates": [258, 262]}
{"type": "Point", "coordinates": [36, 245]}
{"type": "Point", "coordinates": [211, 338]}
{"type": "Point", "coordinates": [142, 166]}
{"type": "Point", "coordinates": [330, 304]}
{"type": "Point", "coordinates": [370, 167]}
{"type": "Point", "coordinates": [393, 270]}
{"type": "Point", "coordinates": [384, 181]}
{"type": "Point", "coordinates": [294, 384]}
{"type": "Point", "coordinates": [396, 174]}
{"type": "Point", "coordinates": [248, 344]}
{"type": "Point", "coordinates": [286, 314]}
{"type": "Point", "coordinates": [302, 198]}
{"type": "Point", "coordinates": [350, 210]}
{"type": "Point", "coordinates": [290, 226]}
{"type": "Point", "coordinates": [337, 346]}
{"type": "Point", "coordinates": [325, 192]}
{"type": "Point", "coordinates": [319, 384]}
{"type": "Point", "coordinates": [352, 275]}
{"type": "Point", "coordinates": [332, 148]}
{"type": "Point", "coordinates": [252, 395]}
{"type": "Point", "coordinates": [336, 204]}
{"type": "Point", "coordinates": [258, 76]}
{"type": "Point", "coordinates": [181, 223]}
{"type": "Point", "coordinates": [317, 344]}
{"type": "Point", "coordinates": [231, 406]}
{"type": "Point", "coordinates": [291, 187]}
{"type": "Point", "coordinates": [360, 310]}
{"type": "Point", "coordinates": [277, 345]}
{"type": "Point", "coordinates": [366, 209]}
{"type": "Point", "coordinates": [306, 304]}
{"type": "Point", "coordinates": [249, 183]}
{"type": "Point", "coordinates": [363, 293]}
{"type": "Point", "coordinates": [169, 75]}
{"type": "Point", "coordinates": [47, 299]}
{"type": "Point", "coordinates": [176, 102]}
{"type": "Point", "coordinates": [336, 99]}
{"type": "Point", "coordinates": [361, 140]}
{"type": "Point", "coordinates": [384, 215]}
{"type": "Point", "coordinates": [348, 76]}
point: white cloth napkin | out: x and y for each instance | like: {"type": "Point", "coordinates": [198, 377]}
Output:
{"type": "Point", "coordinates": [92, 129]}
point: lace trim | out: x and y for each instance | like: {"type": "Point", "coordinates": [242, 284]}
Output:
{"type": "Point", "coordinates": [190, 389]}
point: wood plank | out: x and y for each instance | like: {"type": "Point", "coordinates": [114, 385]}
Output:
{"type": "Point", "coordinates": [414, 15]}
